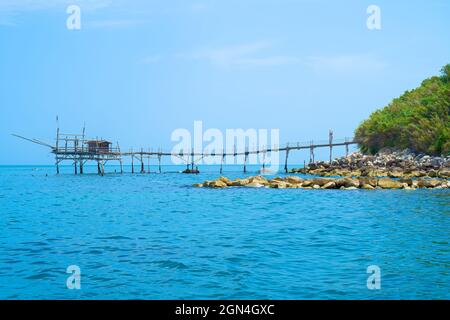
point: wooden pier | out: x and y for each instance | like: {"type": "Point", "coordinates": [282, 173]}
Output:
{"type": "Point", "coordinates": [77, 149]}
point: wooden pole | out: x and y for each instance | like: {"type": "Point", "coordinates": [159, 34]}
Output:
{"type": "Point", "coordinates": [98, 167]}
{"type": "Point", "coordinates": [159, 162]}
{"type": "Point", "coordinates": [330, 137]}
{"type": "Point", "coordinates": [132, 161]}
{"type": "Point", "coordinates": [264, 160]}
{"type": "Point", "coordinates": [222, 160]}
{"type": "Point", "coordinates": [57, 144]}
{"type": "Point", "coordinates": [286, 159]}
{"type": "Point", "coordinates": [192, 159]}
{"type": "Point", "coordinates": [245, 160]}
{"type": "Point", "coordinates": [142, 163]}
{"type": "Point", "coordinates": [311, 153]}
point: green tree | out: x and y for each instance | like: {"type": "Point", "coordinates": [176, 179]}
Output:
{"type": "Point", "coordinates": [418, 120]}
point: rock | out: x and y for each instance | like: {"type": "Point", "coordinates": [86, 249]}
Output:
{"type": "Point", "coordinates": [217, 184]}
{"type": "Point", "coordinates": [294, 180]}
{"type": "Point", "coordinates": [321, 181]}
{"type": "Point", "coordinates": [258, 179]}
{"type": "Point", "coordinates": [329, 185]}
{"type": "Point", "coordinates": [225, 180]}
{"type": "Point", "coordinates": [428, 183]}
{"type": "Point", "coordinates": [198, 185]}
{"type": "Point", "coordinates": [367, 187]}
{"type": "Point", "coordinates": [444, 173]}
{"type": "Point", "coordinates": [316, 186]}
{"type": "Point", "coordinates": [278, 185]}
{"type": "Point", "coordinates": [408, 182]}
{"type": "Point", "coordinates": [387, 183]}
{"type": "Point", "coordinates": [347, 183]}
{"type": "Point", "coordinates": [306, 183]}
{"type": "Point", "coordinates": [254, 185]}
{"type": "Point", "coordinates": [239, 182]}
{"type": "Point", "coordinates": [395, 174]}
{"type": "Point", "coordinates": [368, 181]}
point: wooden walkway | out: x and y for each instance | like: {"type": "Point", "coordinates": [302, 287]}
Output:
{"type": "Point", "coordinates": [76, 148]}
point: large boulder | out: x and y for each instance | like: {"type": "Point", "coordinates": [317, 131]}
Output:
{"type": "Point", "coordinates": [444, 173]}
{"type": "Point", "coordinates": [225, 180]}
{"type": "Point", "coordinates": [429, 183]}
{"type": "Point", "coordinates": [293, 180]}
{"type": "Point", "coordinates": [329, 185]}
{"type": "Point", "coordinates": [347, 183]}
{"type": "Point", "coordinates": [217, 184]}
{"type": "Point", "coordinates": [321, 181]}
{"type": "Point", "coordinates": [239, 182]}
{"type": "Point", "coordinates": [368, 181]}
{"type": "Point", "coordinates": [387, 183]}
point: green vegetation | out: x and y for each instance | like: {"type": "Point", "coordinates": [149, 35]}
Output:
{"type": "Point", "coordinates": [418, 120]}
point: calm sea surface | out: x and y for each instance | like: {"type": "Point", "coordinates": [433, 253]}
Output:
{"type": "Point", "coordinates": [153, 236]}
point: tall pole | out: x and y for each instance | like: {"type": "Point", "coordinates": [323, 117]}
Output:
{"type": "Point", "coordinates": [132, 161]}
{"type": "Point", "coordinates": [57, 144]}
{"type": "Point", "coordinates": [222, 161]}
{"type": "Point", "coordinates": [245, 159]}
{"type": "Point", "coordinates": [286, 159]}
{"type": "Point", "coordinates": [330, 138]}
{"type": "Point", "coordinates": [142, 161]}
{"type": "Point", "coordinates": [159, 161]}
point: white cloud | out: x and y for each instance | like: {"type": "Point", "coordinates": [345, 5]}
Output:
{"type": "Point", "coordinates": [346, 63]}
{"type": "Point", "coordinates": [250, 54]}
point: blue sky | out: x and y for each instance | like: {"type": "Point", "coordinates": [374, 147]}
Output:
{"type": "Point", "coordinates": [137, 70]}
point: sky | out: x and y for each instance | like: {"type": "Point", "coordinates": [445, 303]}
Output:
{"type": "Point", "coordinates": [137, 69]}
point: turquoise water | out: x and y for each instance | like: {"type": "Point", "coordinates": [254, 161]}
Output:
{"type": "Point", "coordinates": [153, 236]}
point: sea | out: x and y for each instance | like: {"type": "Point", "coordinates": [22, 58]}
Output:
{"type": "Point", "coordinates": [155, 236]}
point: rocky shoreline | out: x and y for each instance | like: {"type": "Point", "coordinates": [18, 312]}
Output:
{"type": "Point", "coordinates": [347, 183]}
{"type": "Point", "coordinates": [387, 163]}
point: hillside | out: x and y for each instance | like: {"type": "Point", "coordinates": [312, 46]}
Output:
{"type": "Point", "coordinates": [418, 120]}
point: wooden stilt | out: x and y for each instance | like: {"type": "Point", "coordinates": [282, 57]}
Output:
{"type": "Point", "coordinates": [330, 136]}
{"type": "Point", "coordinates": [159, 162]}
{"type": "Point", "coordinates": [286, 159]}
{"type": "Point", "coordinates": [222, 161]}
{"type": "Point", "coordinates": [245, 160]}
